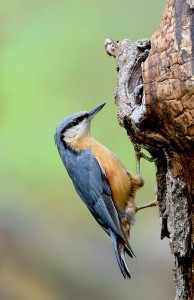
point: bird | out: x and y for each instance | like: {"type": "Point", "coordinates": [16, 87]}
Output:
{"type": "Point", "coordinates": [101, 180]}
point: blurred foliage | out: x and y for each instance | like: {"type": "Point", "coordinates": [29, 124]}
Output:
{"type": "Point", "coordinates": [53, 63]}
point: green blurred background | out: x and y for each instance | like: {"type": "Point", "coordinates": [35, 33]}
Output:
{"type": "Point", "coordinates": [53, 63]}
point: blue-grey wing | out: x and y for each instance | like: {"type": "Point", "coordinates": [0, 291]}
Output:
{"type": "Point", "coordinates": [85, 173]}
{"type": "Point", "coordinates": [92, 186]}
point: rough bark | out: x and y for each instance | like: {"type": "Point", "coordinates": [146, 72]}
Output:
{"type": "Point", "coordinates": [155, 98]}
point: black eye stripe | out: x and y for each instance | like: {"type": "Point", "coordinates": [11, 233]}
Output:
{"type": "Point", "coordinates": [74, 122]}
{"type": "Point", "coordinates": [81, 118]}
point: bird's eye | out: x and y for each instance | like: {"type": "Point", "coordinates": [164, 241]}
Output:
{"type": "Point", "coordinates": [75, 122]}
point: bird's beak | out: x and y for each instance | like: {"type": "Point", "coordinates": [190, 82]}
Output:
{"type": "Point", "coordinates": [95, 110]}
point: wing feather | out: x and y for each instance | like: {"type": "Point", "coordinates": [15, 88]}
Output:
{"type": "Point", "coordinates": [92, 186]}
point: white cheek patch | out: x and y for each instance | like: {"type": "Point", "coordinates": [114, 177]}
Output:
{"type": "Point", "coordinates": [70, 135]}
{"type": "Point", "coordinates": [70, 132]}
{"type": "Point", "coordinates": [76, 132]}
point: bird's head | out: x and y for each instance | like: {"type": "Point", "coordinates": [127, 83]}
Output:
{"type": "Point", "coordinates": [75, 126]}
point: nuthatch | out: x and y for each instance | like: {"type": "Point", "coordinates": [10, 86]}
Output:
{"type": "Point", "coordinates": [100, 179]}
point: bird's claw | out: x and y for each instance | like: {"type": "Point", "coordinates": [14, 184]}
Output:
{"type": "Point", "coordinates": [151, 204]}
{"type": "Point", "coordinates": [140, 154]}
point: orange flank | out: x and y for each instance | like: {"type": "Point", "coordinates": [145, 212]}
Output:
{"type": "Point", "coordinates": [123, 185]}
{"type": "Point", "coordinates": [116, 174]}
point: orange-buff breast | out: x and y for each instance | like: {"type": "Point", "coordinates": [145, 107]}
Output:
{"type": "Point", "coordinates": [116, 174]}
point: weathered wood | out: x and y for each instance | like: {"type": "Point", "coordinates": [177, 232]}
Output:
{"type": "Point", "coordinates": [155, 98]}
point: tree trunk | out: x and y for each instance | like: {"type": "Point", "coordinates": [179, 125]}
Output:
{"type": "Point", "coordinates": [155, 97]}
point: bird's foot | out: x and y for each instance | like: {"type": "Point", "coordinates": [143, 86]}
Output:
{"type": "Point", "coordinates": [151, 204]}
{"type": "Point", "coordinates": [140, 155]}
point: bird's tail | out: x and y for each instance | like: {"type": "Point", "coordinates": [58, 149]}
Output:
{"type": "Point", "coordinates": [119, 248]}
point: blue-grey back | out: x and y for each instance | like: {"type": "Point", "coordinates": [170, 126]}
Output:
{"type": "Point", "coordinates": [85, 173]}
{"type": "Point", "coordinates": [92, 186]}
